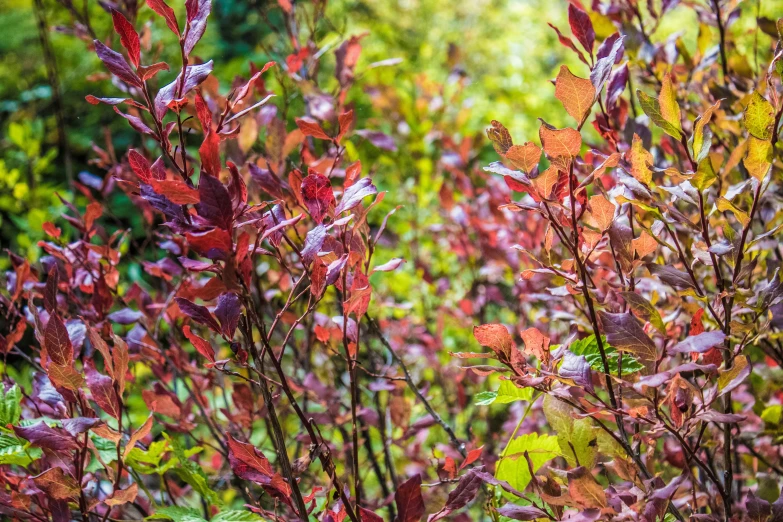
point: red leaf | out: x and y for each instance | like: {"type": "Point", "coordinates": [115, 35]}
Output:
{"type": "Point", "coordinates": [215, 239]}
{"type": "Point", "coordinates": [201, 345]}
{"type": "Point", "coordinates": [129, 38]}
{"type": "Point", "coordinates": [160, 7]}
{"type": "Point", "coordinates": [346, 122]}
{"type": "Point", "coordinates": [176, 190]}
{"type": "Point", "coordinates": [140, 165]}
{"type": "Point", "coordinates": [410, 504]}
{"type": "Point", "coordinates": [209, 152]}
{"type": "Point", "coordinates": [58, 344]}
{"type": "Point", "coordinates": [317, 195]}
{"type": "Point", "coordinates": [194, 76]}
{"type": "Point", "coordinates": [581, 27]}
{"type": "Point", "coordinates": [310, 127]}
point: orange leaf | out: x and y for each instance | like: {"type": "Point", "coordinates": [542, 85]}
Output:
{"type": "Point", "coordinates": [524, 157]}
{"type": "Point", "coordinates": [311, 128]}
{"type": "Point", "coordinates": [500, 137]}
{"type": "Point", "coordinates": [560, 142]}
{"type": "Point", "coordinates": [496, 337]}
{"type": "Point", "coordinates": [576, 94]}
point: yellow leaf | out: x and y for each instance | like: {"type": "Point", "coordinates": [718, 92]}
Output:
{"type": "Point", "coordinates": [667, 99]}
{"type": "Point", "coordinates": [759, 158]}
{"type": "Point", "coordinates": [640, 159]}
{"type": "Point", "coordinates": [576, 94]}
{"type": "Point", "coordinates": [725, 205]}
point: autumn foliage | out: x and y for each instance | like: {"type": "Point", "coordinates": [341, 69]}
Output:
{"type": "Point", "coordinates": [248, 378]}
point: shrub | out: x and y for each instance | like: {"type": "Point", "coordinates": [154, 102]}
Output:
{"type": "Point", "coordinates": [243, 377]}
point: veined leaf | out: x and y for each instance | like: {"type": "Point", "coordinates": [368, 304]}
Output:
{"type": "Point", "coordinates": [652, 108]}
{"type": "Point", "coordinates": [588, 347]}
{"type": "Point", "coordinates": [759, 117]}
{"type": "Point", "coordinates": [576, 94]}
{"type": "Point", "coordinates": [513, 467]}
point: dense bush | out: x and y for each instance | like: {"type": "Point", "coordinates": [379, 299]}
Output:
{"type": "Point", "coordinates": [267, 365]}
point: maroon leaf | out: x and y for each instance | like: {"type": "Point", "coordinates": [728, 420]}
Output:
{"type": "Point", "coordinates": [603, 67]}
{"type": "Point", "coordinates": [617, 82]}
{"type": "Point", "coordinates": [57, 342]}
{"type": "Point", "coordinates": [317, 195]}
{"type": "Point", "coordinates": [41, 435]}
{"type": "Point", "coordinates": [79, 425]}
{"type": "Point", "coordinates": [197, 13]}
{"type": "Point", "coordinates": [624, 332]}
{"type": "Point", "coordinates": [466, 491]}
{"type": "Point", "coordinates": [102, 390]}
{"type": "Point", "coordinates": [314, 240]}
{"type": "Point", "coordinates": [50, 290]}
{"type": "Point", "coordinates": [215, 202]}
{"type": "Point", "coordinates": [160, 7]}
{"type": "Point", "coordinates": [248, 462]}
{"type": "Point", "coordinates": [116, 64]}
{"type": "Point", "coordinates": [129, 38]}
{"type": "Point", "coordinates": [410, 504]}
{"type": "Point", "coordinates": [198, 313]}
{"type": "Point", "coordinates": [581, 27]}
{"type": "Point", "coordinates": [227, 312]}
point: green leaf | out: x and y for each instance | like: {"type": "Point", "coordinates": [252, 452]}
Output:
{"type": "Point", "coordinates": [148, 461]}
{"type": "Point", "coordinates": [589, 348]}
{"type": "Point", "coordinates": [507, 392]}
{"type": "Point", "coordinates": [485, 398]}
{"type": "Point", "coordinates": [235, 515]}
{"type": "Point", "coordinates": [14, 451]}
{"type": "Point", "coordinates": [772, 414]}
{"type": "Point", "coordinates": [191, 472]}
{"type": "Point", "coordinates": [10, 405]}
{"type": "Point", "coordinates": [667, 101]}
{"type": "Point", "coordinates": [513, 467]}
{"type": "Point", "coordinates": [578, 439]}
{"type": "Point", "coordinates": [759, 117]}
{"type": "Point", "coordinates": [652, 109]}
{"type": "Point", "coordinates": [705, 175]}
{"type": "Point", "coordinates": [177, 514]}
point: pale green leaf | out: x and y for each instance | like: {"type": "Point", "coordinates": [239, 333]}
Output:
{"type": "Point", "coordinates": [513, 467]}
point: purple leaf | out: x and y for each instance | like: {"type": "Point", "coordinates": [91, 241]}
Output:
{"type": "Point", "coordinates": [197, 12]}
{"type": "Point", "coordinates": [42, 436]}
{"type": "Point", "coordinates": [227, 312]}
{"type": "Point", "coordinates": [516, 512]}
{"type": "Point", "coordinates": [194, 76]}
{"type": "Point", "coordinates": [314, 240]}
{"type": "Point", "coordinates": [354, 194]}
{"type": "Point", "coordinates": [117, 65]}
{"type": "Point", "coordinates": [379, 139]}
{"type": "Point", "coordinates": [671, 276]}
{"type": "Point", "coordinates": [198, 313]}
{"type": "Point", "coordinates": [699, 343]}
{"type": "Point", "coordinates": [125, 316]}
{"type": "Point", "coordinates": [581, 27]}
{"type": "Point", "coordinates": [603, 67]}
